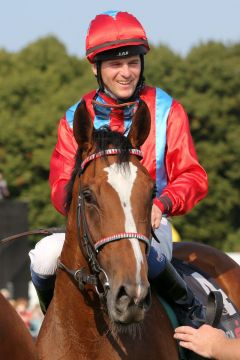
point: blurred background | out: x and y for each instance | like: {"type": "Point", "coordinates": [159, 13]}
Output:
{"type": "Point", "coordinates": [195, 56]}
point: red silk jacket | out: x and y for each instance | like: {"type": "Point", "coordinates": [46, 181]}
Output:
{"type": "Point", "coordinates": [168, 153]}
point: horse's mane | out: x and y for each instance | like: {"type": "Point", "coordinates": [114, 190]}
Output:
{"type": "Point", "coordinates": [103, 138]}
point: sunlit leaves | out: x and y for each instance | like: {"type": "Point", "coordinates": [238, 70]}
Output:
{"type": "Point", "coordinates": [38, 84]}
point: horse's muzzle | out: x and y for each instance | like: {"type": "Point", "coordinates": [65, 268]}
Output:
{"type": "Point", "coordinates": [129, 303]}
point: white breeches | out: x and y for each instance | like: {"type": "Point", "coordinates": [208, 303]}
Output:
{"type": "Point", "coordinates": [46, 252]}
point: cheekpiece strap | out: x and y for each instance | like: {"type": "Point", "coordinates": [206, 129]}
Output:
{"type": "Point", "coordinates": [94, 156]}
{"type": "Point", "coordinates": [115, 237]}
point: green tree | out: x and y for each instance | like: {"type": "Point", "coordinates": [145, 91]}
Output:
{"type": "Point", "coordinates": [38, 84]}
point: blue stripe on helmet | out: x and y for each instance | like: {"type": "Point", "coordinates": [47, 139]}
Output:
{"type": "Point", "coordinates": [163, 105]}
{"type": "Point", "coordinates": [112, 13]}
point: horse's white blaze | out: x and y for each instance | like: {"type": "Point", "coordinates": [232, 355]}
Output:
{"type": "Point", "coordinates": [122, 181]}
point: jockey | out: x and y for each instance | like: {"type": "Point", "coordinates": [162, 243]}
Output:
{"type": "Point", "coordinates": [116, 44]}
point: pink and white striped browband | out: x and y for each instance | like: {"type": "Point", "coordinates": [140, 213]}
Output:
{"type": "Point", "coordinates": [108, 152]}
{"type": "Point", "coordinates": [127, 235]}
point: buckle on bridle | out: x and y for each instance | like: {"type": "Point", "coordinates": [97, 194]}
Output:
{"type": "Point", "coordinates": [105, 285]}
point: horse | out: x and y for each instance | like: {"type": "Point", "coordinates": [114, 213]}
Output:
{"type": "Point", "coordinates": [224, 270]}
{"type": "Point", "coordinates": [103, 307]}
{"type": "Point", "coordinates": [16, 342]}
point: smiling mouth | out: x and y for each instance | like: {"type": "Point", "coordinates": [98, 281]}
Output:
{"type": "Point", "coordinates": [124, 83]}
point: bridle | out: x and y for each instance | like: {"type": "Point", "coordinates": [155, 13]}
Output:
{"type": "Point", "coordinates": [91, 249]}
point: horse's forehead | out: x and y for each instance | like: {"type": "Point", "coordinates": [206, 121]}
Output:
{"type": "Point", "coordinates": [122, 180]}
{"type": "Point", "coordinates": [119, 175]}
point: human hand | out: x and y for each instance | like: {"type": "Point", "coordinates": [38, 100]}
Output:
{"type": "Point", "coordinates": [204, 341]}
{"type": "Point", "coordinates": [156, 216]}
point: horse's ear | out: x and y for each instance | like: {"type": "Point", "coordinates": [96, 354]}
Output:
{"type": "Point", "coordinates": [141, 125]}
{"type": "Point", "coordinates": [83, 127]}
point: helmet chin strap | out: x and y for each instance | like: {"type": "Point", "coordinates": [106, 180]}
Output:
{"type": "Point", "coordinates": [138, 88]}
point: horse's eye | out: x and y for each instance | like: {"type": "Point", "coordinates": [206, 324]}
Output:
{"type": "Point", "coordinates": [88, 196]}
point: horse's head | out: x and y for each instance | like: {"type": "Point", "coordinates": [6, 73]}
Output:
{"type": "Point", "coordinates": [115, 193]}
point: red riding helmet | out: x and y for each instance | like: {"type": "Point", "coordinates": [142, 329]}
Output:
{"type": "Point", "coordinates": [113, 30]}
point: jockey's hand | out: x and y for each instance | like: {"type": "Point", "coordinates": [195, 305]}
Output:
{"type": "Point", "coordinates": [156, 216]}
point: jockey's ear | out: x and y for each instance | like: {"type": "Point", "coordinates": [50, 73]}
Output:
{"type": "Point", "coordinates": [83, 127]}
{"type": "Point", "coordinates": [141, 125]}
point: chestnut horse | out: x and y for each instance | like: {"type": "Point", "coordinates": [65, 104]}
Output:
{"type": "Point", "coordinates": [102, 306]}
{"type": "Point", "coordinates": [16, 342]}
{"type": "Point", "coordinates": [221, 268]}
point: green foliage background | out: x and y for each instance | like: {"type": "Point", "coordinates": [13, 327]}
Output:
{"type": "Point", "coordinates": [40, 82]}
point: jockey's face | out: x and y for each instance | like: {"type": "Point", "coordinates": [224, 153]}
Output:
{"type": "Point", "coordinates": [120, 76]}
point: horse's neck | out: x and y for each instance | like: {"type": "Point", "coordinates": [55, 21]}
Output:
{"type": "Point", "coordinates": [71, 254]}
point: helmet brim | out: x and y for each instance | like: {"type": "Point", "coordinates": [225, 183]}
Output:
{"type": "Point", "coordinates": [121, 52]}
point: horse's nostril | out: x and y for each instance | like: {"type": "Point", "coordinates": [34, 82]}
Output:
{"type": "Point", "coordinates": [131, 303]}
{"type": "Point", "coordinates": [121, 293]}
{"type": "Point", "coordinates": [122, 300]}
{"type": "Point", "coordinates": [129, 295]}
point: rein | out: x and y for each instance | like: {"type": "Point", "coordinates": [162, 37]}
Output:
{"type": "Point", "coordinates": [49, 231]}
{"type": "Point", "coordinates": [90, 248]}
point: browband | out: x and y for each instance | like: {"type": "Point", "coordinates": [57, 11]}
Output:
{"type": "Point", "coordinates": [94, 156]}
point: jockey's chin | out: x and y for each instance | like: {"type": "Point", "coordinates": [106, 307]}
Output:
{"type": "Point", "coordinates": [121, 92]}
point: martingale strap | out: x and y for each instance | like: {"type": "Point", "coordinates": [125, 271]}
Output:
{"type": "Point", "coordinates": [136, 152]}
{"type": "Point", "coordinates": [127, 235]}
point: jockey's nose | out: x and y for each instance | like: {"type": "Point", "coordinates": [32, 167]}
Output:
{"type": "Point", "coordinates": [125, 71]}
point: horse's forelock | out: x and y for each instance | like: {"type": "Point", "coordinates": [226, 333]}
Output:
{"type": "Point", "coordinates": [104, 138]}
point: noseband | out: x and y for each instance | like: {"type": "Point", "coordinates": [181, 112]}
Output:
{"type": "Point", "coordinates": [90, 248]}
